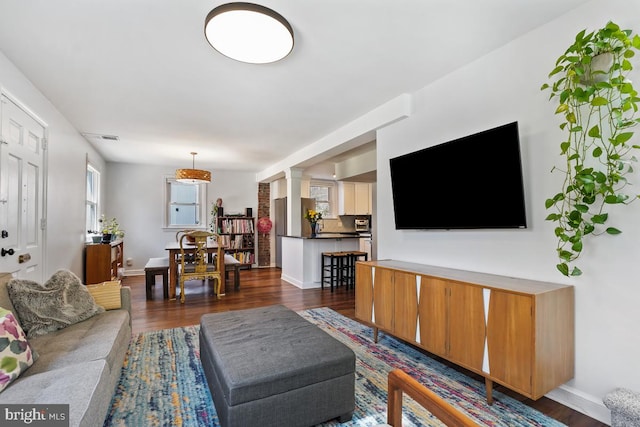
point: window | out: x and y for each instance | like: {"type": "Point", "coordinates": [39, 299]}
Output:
{"type": "Point", "coordinates": [185, 204]}
{"type": "Point", "coordinates": [324, 194]}
{"type": "Point", "coordinates": [92, 199]}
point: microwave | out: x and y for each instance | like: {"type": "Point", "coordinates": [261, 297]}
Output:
{"type": "Point", "coordinates": [362, 224]}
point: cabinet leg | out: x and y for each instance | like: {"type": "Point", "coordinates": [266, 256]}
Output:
{"type": "Point", "coordinates": [489, 386]}
{"type": "Point", "coordinates": [375, 335]}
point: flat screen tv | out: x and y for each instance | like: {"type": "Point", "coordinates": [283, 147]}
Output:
{"type": "Point", "coordinates": [468, 183]}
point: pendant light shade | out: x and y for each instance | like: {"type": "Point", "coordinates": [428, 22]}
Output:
{"type": "Point", "coordinates": [249, 32]}
{"type": "Point", "coordinates": [193, 176]}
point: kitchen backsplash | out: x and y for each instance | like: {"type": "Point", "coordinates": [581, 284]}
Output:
{"type": "Point", "coordinates": [342, 224]}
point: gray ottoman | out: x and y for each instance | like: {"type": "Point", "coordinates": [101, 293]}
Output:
{"type": "Point", "coordinates": [270, 367]}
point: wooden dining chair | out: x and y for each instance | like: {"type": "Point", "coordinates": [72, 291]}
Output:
{"type": "Point", "coordinates": [200, 268]}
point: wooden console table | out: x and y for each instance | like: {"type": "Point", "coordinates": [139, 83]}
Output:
{"type": "Point", "coordinates": [103, 261]}
{"type": "Point", "coordinates": [515, 332]}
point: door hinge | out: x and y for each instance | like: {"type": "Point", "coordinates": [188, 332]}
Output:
{"type": "Point", "coordinates": [43, 223]}
{"type": "Point", "coordinates": [45, 144]}
{"type": "Point", "coordinates": [3, 141]}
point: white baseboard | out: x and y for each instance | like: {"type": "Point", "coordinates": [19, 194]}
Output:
{"type": "Point", "coordinates": [291, 280]}
{"type": "Point", "coordinates": [581, 402]}
{"type": "Point", "coordinates": [298, 283]}
{"type": "Point", "coordinates": [134, 272]}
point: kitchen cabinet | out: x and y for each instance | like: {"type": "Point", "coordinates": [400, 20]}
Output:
{"type": "Point", "coordinates": [103, 261]}
{"type": "Point", "coordinates": [516, 332]}
{"type": "Point", "coordinates": [354, 198]}
{"type": "Point", "coordinates": [365, 246]}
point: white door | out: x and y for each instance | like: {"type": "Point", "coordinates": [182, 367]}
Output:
{"type": "Point", "coordinates": [21, 192]}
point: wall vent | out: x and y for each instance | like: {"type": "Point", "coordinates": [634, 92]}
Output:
{"type": "Point", "coordinates": [100, 136]}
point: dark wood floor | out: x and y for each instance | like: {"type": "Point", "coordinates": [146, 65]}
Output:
{"type": "Point", "coordinates": [260, 287]}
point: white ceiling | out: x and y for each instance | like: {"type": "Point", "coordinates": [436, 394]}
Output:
{"type": "Point", "coordinates": [142, 69]}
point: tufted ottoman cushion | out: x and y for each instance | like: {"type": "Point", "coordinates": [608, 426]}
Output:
{"type": "Point", "coordinates": [270, 367]}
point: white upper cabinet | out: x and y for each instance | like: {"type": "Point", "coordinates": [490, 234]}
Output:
{"type": "Point", "coordinates": [354, 198]}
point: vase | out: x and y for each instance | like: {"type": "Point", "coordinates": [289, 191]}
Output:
{"type": "Point", "coordinates": [314, 229]}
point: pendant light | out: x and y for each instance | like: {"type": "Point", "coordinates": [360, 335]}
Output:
{"type": "Point", "coordinates": [193, 175]}
{"type": "Point", "coordinates": [248, 32]}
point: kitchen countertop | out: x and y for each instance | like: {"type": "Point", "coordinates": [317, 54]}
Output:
{"type": "Point", "coordinates": [329, 236]}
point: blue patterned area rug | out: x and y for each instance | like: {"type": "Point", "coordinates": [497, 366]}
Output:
{"type": "Point", "coordinates": [162, 382]}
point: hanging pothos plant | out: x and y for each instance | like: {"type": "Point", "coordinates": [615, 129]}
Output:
{"type": "Point", "coordinates": [598, 107]}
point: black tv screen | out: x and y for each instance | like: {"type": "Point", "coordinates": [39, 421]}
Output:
{"type": "Point", "coordinates": [470, 182]}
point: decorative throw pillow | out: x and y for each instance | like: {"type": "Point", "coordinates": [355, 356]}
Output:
{"type": "Point", "coordinates": [107, 294]}
{"type": "Point", "coordinates": [15, 353]}
{"type": "Point", "coordinates": [62, 301]}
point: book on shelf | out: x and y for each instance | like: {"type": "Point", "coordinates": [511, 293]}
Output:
{"type": "Point", "coordinates": [236, 225]}
{"type": "Point", "coordinates": [231, 241]}
{"type": "Point", "coordinates": [245, 257]}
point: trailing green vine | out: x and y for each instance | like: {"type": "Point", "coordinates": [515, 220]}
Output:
{"type": "Point", "coordinates": [598, 110]}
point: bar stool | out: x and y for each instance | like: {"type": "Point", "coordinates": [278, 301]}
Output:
{"type": "Point", "coordinates": [333, 270]}
{"type": "Point", "coordinates": [349, 273]}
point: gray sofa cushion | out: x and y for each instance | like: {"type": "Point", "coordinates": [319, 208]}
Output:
{"type": "Point", "coordinates": [104, 336]}
{"type": "Point", "coordinates": [80, 386]}
{"type": "Point", "coordinates": [287, 351]}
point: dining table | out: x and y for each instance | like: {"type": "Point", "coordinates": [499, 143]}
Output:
{"type": "Point", "coordinates": [173, 247]}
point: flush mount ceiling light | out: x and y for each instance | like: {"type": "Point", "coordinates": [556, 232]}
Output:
{"type": "Point", "coordinates": [193, 176]}
{"type": "Point", "coordinates": [248, 32]}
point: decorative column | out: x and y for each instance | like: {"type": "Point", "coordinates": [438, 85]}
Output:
{"type": "Point", "coordinates": [294, 204]}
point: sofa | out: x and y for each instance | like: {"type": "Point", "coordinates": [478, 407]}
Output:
{"type": "Point", "coordinates": [79, 365]}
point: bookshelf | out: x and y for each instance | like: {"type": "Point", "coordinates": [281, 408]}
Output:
{"type": "Point", "coordinates": [238, 237]}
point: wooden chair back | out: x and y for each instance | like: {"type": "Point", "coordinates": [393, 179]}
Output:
{"type": "Point", "coordinates": [194, 259]}
{"type": "Point", "coordinates": [179, 233]}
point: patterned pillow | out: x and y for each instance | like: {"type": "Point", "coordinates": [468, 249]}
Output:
{"type": "Point", "coordinates": [15, 353]}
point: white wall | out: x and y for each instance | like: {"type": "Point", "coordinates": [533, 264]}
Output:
{"type": "Point", "coordinates": [135, 197]}
{"type": "Point", "coordinates": [497, 89]}
{"type": "Point", "coordinates": [131, 193]}
{"type": "Point", "coordinates": [68, 151]}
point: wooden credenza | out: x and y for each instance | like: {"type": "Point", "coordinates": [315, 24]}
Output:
{"type": "Point", "coordinates": [516, 332]}
{"type": "Point", "coordinates": [102, 261]}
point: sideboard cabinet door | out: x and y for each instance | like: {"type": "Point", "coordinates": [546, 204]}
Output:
{"type": "Point", "coordinates": [509, 339]}
{"type": "Point", "coordinates": [364, 293]}
{"type": "Point", "coordinates": [467, 330]}
{"type": "Point", "coordinates": [433, 315]}
{"type": "Point", "coordinates": [383, 298]}
{"type": "Point", "coordinates": [405, 323]}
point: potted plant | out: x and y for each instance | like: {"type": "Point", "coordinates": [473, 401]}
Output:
{"type": "Point", "coordinates": [598, 106]}
{"type": "Point", "coordinates": [110, 229]}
